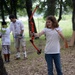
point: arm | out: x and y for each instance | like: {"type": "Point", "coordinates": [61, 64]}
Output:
{"type": "Point", "coordinates": [22, 28]}
{"type": "Point", "coordinates": [38, 34]}
{"type": "Point", "coordinates": [61, 35]}
{"type": "Point", "coordinates": [21, 32]}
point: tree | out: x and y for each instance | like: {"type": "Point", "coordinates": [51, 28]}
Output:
{"type": "Point", "coordinates": [2, 11]}
{"type": "Point", "coordinates": [73, 24]}
{"type": "Point", "coordinates": [29, 12]}
{"type": "Point", "coordinates": [51, 7]}
{"type": "Point", "coordinates": [60, 10]}
{"type": "Point", "coordinates": [2, 68]}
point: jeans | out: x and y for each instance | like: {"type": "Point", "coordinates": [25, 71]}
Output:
{"type": "Point", "coordinates": [56, 58]}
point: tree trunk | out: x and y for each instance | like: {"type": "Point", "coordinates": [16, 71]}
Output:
{"type": "Point", "coordinates": [73, 24]}
{"type": "Point", "coordinates": [14, 6]}
{"type": "Point", "coordinates": [29, 12]}
{"type": "Point", "coordinates": [2, 11]}
{"type": "Point", "coordinates": [6, 6]}
{"type": "Point", "coordinates": [2, 68]}
{"type": "Point", "coordinates": [51, 6]}
{"type": "Point", "coordinates": [60, 10]}
{"type": "Point", "coordinates": [72, 39]}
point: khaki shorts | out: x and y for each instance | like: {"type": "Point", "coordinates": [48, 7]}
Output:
{"type": "Point", "coordinates": [19, 42]}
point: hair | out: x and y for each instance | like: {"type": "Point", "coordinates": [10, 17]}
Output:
{"type": "Point", "coordinates": [12, 16]}
{"type": "Point", "coordinates": [54, 21]}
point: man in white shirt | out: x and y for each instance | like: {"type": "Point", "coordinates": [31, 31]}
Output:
{"type": "Point", "coordinates": [17, 28]}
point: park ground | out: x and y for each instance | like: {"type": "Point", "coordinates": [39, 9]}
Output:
{"type": "Point", "coordinates": [36, 65]}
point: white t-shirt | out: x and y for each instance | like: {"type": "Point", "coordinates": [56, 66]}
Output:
{"type": "Point", "coordinates": [6, 37]}
{"type": "Point", "coordinates": [52, 41]}
{"type": "Point", "coordinates": [16, 27]}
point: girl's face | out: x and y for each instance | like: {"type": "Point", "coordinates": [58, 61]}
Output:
{"type": "Point", "coordinates": [49, 24]}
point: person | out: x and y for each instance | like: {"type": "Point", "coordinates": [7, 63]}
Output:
{"type": "Point", "coordinates": [5, 37]}
{"type": "Point", "coordinates": [52, 32]}
{"type": "Point", "coordinates": [17, 28]}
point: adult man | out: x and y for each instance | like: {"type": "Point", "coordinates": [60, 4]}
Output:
{"type": "Point", "coordinates": [17, 28]}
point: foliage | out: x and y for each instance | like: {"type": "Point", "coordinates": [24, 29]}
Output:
{"type": "Point", "coordinates": [43, 6]}
{"type": "Point", "coordinates": [68, 3]}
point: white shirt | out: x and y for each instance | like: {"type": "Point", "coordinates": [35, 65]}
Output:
{"type": "Point", "coordinates": [6, 37]}
{"type": "Point", "coordinates": [16, 27]}
{"type": "Point", "coordinates": [52, 41]}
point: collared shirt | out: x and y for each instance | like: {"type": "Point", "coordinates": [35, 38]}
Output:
{"type": "Point", "coordinates": [16, 27]}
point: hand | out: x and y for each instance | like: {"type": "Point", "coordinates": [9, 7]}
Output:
{"type": "Point", "coordinates": [32, 34]}
{"type": "Point", "coordinates": [19, 36]}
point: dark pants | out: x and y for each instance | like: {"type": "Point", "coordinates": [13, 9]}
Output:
{"type": "Point", "coordinates": [56, 58]}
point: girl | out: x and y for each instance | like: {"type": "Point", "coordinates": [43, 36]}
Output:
{"type": "Point", "coordinates": [52, 49]}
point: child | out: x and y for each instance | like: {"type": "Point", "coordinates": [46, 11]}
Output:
{"type": "Point", "coordinates": [5, 35]}
{"type": "Point", "coordinates": [52, 49]}
{"type": "Point", "coordinates": [17, 28]}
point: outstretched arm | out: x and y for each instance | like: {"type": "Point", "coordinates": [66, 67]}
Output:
{"type": "Point", "coordinates": [38, 34]}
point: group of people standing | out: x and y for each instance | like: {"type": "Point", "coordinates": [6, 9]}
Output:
{"type": "Point", "coordinates": [52, 32]}
{"type": "Point", "coordinates": [17, 29]}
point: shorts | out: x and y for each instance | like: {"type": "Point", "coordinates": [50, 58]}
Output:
{"type": "Point", "coordinates": [6, 49]}
{"type": "Point", "coordinates": [19, 42]}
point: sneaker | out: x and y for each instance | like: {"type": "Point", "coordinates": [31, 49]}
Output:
{"type": "Point", "coordinates": [25, 54]}
{"type": "Point", "coordinates": [18, 56]}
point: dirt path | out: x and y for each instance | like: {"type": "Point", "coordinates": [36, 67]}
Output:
{"type": "Point", "coordinates": [36, 65]}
